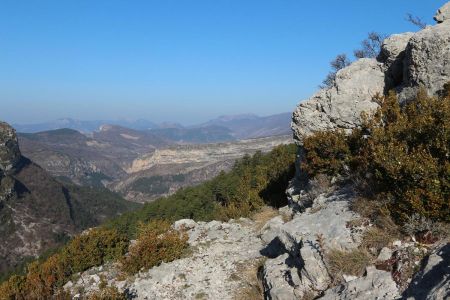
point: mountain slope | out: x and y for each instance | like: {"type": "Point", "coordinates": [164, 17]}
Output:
{"type": "Point", "coordinates": [37, 212]}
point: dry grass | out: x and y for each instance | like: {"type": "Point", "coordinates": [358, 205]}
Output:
{"type": "Point", "coordinates": [252, 287]}
{"type": "Point", "coordinates": [263, 215]}
{"type": "Point", "coordinates": [353, 262]}
{"type": "Point", "coordinates": [376, 238]}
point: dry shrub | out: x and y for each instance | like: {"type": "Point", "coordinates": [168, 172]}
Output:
{"type": "Point", "coordinates": [353, 262]}
{"type": "Point", "coordinates": [320, 184]}
{"type": "Point", "coordinates": [157, 242]}
{"type": "Point", "coordinates": [107, 293]}
{"type": "Point", "coordinates": [262, 216]}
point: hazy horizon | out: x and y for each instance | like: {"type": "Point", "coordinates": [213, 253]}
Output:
{"type": "Point", "coordinates": [176, 61]}
{"type": "Point", "coordinates": [163, 122]}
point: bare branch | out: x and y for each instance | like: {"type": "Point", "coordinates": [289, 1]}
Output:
{"type": "Point", "coordinates": [415, 20]}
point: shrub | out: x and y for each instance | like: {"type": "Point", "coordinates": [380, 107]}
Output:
{"type": "Point", "coordinates": [94, 248]}
{"type": "Point", "coordinates": [157, 242]}
{"type": "Point", "coordinates": [401, 153]}
{"type": "Point", "coordinates": [44, 280]}
{"type": "Point", "coordinates": [326, 152]}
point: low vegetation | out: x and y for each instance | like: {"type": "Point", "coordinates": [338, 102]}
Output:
{"type": "Point", "coordinates": [44, 279]}
{"type": "Point", "coordinates": [399, 157]}
{"type": "Point", "coordinates": [353, 262]}
{"type": "Point", "coordinates": [157, 242]}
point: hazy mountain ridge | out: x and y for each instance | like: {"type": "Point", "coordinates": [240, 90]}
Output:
{"type": "Point", "coordinates": [223, 128]}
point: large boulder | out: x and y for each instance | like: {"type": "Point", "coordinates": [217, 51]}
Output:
{"type": "Point", "coordinates": [376, 284]}
{"type": "Point", "coordinates": [341, 105]}
{"type": "Point", "coordinates": [10, 155]}
{"type": "Point", "coordinates": [427, 60]}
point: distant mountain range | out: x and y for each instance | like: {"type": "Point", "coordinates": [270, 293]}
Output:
{"type": "Point", "coordinates": [252, 126]}
{"type": "Point", "coordinates": [223, 128]}
{"type": "Point", "coordinates": [83, 126]}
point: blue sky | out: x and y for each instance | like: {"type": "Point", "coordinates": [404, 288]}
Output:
{"type": "Point", "coordinates": [183, 61]}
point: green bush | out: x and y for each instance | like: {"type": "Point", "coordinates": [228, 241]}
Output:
{"type": "Point", "coordinates": [326, 152]}
{"type": "Point", "coordinates": [401, 153]}
{"type": "Point", "coordinates": [94, 248]}
{"type": "Point", "coordinates": [157, 242]}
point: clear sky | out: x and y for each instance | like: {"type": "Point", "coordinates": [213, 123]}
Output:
{"type": "Point", "coordinates": [178, 60]}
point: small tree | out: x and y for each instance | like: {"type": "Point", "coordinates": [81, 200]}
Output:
{"type": "Point", "coordinates": [371, 46]}
{"type": "Point", "coordinates": [341, 61]}
{"type": "Point", "coordinates": [415, 20]}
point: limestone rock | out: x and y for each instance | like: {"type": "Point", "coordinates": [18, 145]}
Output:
{"type": "Point", "coordinates": [376, 284]}
{"type": "Point", "coordinates": [10, 155]}
{"type": "Point", "coordinates": [184, 224]}
{"type": "Point", "coordinates": [279, 279]}
{"type": "Point", "coordinates": [300, 270]}
{"type": "Point", "coordinates": [432, 282]}
{"type": "Point", "coordinates": [392, 55]}
{"type": "Point", "coordinates": [427, 60]}
{"type": "Point", "coordinates": [271, 229]}
{"type": "Point", "coordinates": [443, 13]}
{"type": "Point", "coordinates": [341, 105]}
{"type": "Point", "coordinates": [385, 254]}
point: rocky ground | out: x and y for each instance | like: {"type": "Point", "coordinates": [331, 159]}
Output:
{"type": "Point", "coordinates": [221, 256]}
{"type": "Point", "coordinates": [283, 255]}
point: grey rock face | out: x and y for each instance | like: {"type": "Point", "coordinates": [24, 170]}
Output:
{"type": "Point", "coordinates": [300, 269]}
{"type": "Point", "coordinates": [433, 280]}
{"type": "Point", "coordinates": [341, 105]}
{"type": "Point", "coordinates": [406, 62]}
{"type": "Point", "coordinates": [392, 55]}
{"type": "Point", "coordinates": [427, 58]}
{"type": "Point", "coordinates": [443, 13]}
{"type": "Point", "coordinates": [376, 284]}
{"type": "Point", "coordinates": [9, 149]}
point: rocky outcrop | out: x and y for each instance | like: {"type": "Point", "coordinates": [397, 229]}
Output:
{"type": "Point", "coordinates": [443, 13]}
{"type": "Point", "coordinates": [300, 269]}
{"type": "Point", "coordinates": [406, 62]}
{"type": "Point", "coordinates": [432, 282]}
{"type": "Point", "coordinates": [376, 284]}
{"type": "Point", "coordinates": [38, 212]}
{"type": "Point", "coordinates": [427, 60]}
{"type": "Point", "coordinates": [341, 105]}
{"type": "Point", "coordinates": [222, 255]}
{"type": "Point", "coordinates": [10, 155]}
